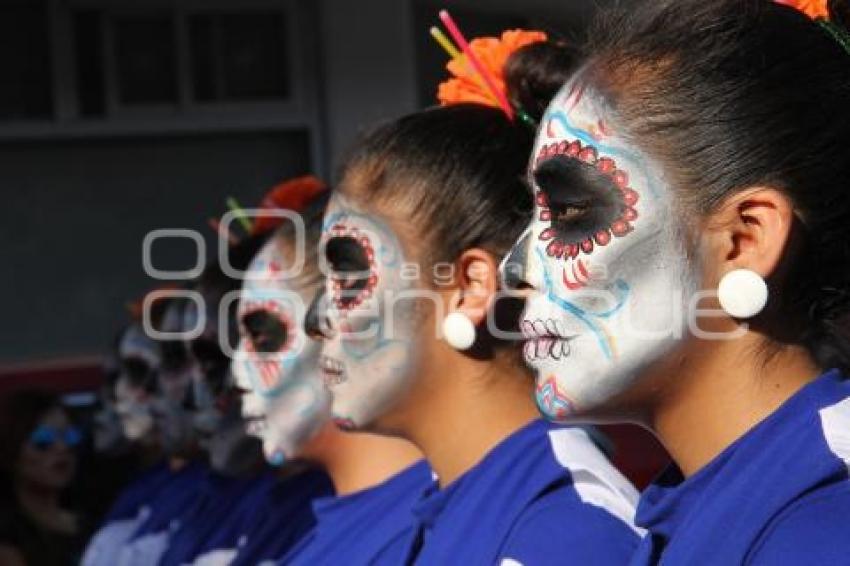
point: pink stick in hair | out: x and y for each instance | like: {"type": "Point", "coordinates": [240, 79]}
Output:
{"type": "Point", "coordinates": [476, 64]}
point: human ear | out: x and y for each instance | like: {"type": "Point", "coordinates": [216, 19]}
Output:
{"type": "Point", "coordinates": [477, 283]}
{"type": "Point", "coordinates": [750, 230]}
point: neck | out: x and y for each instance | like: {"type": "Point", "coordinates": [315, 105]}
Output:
{"type": "Point", "coordinates": [726, 393]}
{"type": "Point", "coordinates": [476, 406]}
{"type": "Point", "coordinates": [357, 461]}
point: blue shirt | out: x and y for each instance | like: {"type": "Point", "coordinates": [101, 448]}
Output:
{"type": "Point", "coordinates": [778, 495]}
{"type": "Point", "coordinates": [544, 495]}
{"type": "Point", "coordinates": [130, 510]}
{"type": "Point", "coordinates": [140, 492]}
{"type": "Point", "coordinates": [211, 511]}
{"type": "Point", "coordinates": [279, 517]}
{"type": "Point", "coordinates": [363, 527]}
{"type": "Point", "coordinates": [168, 510]}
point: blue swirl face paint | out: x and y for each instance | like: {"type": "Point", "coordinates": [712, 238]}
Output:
{"type": "Point", "coordinates": [604, 253]}
{"type": "Point", "coordinates": [285, 403]}
{"type": "Point", "coordinates": [366, 356]}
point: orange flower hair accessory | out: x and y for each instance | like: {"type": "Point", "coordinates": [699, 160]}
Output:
{"type": "Point", "coordinates": [813, 8]}
{"type": "Point", "coordinates": [466, 85]}
{"type": "Point", "coordinates": [830, 15]}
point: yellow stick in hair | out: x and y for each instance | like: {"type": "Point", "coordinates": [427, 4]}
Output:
{"type": "Point", "coordinates": [445, 42]}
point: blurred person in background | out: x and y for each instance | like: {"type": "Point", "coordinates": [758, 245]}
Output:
{"type": "Point", "coordinates": [38, 441]}
{"type": "Point", "coordinates": [153, 421]}
{"type": "Point", "coordinates": [235, 459]}
{"type": "Point", "coordinates": [288, 407]}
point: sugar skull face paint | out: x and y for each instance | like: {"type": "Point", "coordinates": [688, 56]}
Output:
{"type": "Point", "coordinates": [372, 315]}
{"type": "Point", "coordinates": [605, 254]}
{"type": "Point", "coordinates": [285, 403]}
{"type": "Point", "coordinates": [139, 360]}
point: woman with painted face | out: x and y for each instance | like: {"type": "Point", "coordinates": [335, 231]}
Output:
{"type": "Point", "coordinates": [687, 269]}
{"type": "Point", "coordinates": [427, 206]}
{"type": "Point", "coordinates": [287, 407]}
{"type": "Point", "coordinates": [38, 443]}
{"type": "Point", "coordinates": [133, 386]}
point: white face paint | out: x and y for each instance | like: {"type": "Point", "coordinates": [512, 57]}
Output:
{"type": "Point", "coordinates": [139, 361]}
{"type": "Point", "coordinates": [286, 403]}
{"type": "Point", "coordinates": [368, 351]}
{"type": "Point", "coordinates": [605, 254]}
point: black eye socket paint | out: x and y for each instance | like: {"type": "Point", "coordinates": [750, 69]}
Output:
{"type": "Point", "coordinates": [268, 333]}
{"type": "Point", "coordinates": [352, 260]}
{"type": "Point", "coordinates": [346, 254]}
{"type": "Point", "coordinates": [585, 200]}
{"type": "Point", "coordinates": [581, 199]}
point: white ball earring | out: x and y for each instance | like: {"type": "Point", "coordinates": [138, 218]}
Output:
{"type": "Point", "coordinates": [742, 293]}
{"type": "Point", "coordinates": [458, 331]}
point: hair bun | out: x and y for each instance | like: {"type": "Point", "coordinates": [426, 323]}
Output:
{"type": "Point", "coordinates": [535, 73]}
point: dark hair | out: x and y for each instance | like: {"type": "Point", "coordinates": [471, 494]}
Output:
{"type": "Point", "coordinates": [312, 217]}
{"type": "Point", "coordinates": [458, 170]}
{"type": "Point", "coordinates": [22, 410]}
{"type": "Point", "coordinates": [731, 94]}
{"type": "Point", "coordinates": [214, 283]}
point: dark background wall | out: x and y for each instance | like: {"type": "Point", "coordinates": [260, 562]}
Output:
{"type": "Point", "coordinates": [84, 178]}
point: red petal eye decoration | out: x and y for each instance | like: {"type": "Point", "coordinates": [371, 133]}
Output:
{"type": "Point", "coordinates": [620, 228]}
{"type": "Point", "coordinates": [347, 302]}
{"type": "Point", "coordinates": [630, 215]}
{"type": "Point", "coordinates": [588, 155]}
{"type": "Point", "coordinates": [630, 197]}
{"type": "Point", "coordinates": [621, 178]}
{"type": "Point", "coordinates": [555, 249]}
{"type": "Point", "coordinates": [606, 165]}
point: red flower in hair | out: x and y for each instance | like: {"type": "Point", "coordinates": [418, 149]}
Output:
{"type": "Point", "coordinates": [466, 85]}
{"type": "Point", "coordinates": [812, 8]}
{"type": "Point", "coordinates": [294, 194]}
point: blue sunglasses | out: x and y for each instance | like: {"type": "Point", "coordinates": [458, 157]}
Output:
{"type": "Point", "coordinates": [44, 437]}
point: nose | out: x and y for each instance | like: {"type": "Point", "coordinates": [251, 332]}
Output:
{"type": "Point", "coordinates": [513, 270]}
{"type": "Point", "coordinates": [317, 324]}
